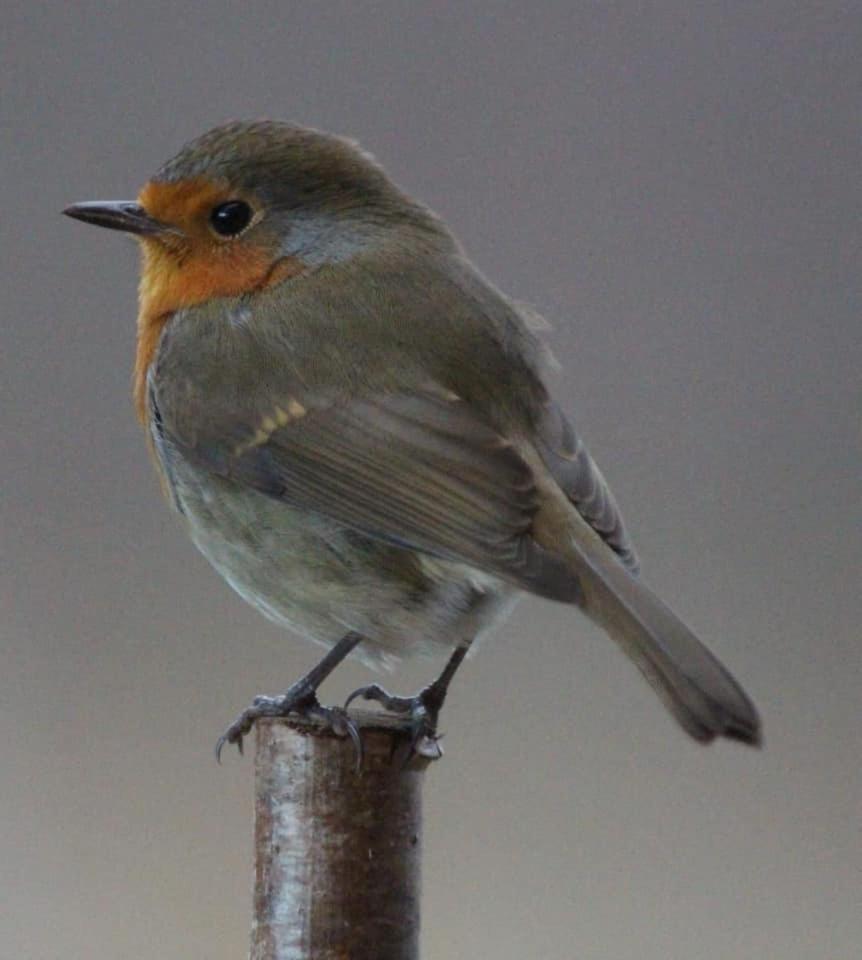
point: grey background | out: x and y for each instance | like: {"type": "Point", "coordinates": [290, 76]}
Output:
{"type": "Point", "coordinates": [676, 187]}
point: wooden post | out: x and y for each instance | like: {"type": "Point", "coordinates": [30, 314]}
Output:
{"type": "Point", "coordinates": [337, 851]}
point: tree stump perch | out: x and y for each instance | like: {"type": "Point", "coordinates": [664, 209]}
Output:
{"type": "Point", "coordinates": [337, 850]}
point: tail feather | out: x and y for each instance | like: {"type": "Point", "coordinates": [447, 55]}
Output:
{"type": "Point", "coordinates": [695, 686]}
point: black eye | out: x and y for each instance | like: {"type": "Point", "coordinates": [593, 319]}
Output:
{"type": "Point", "coordinates": [230, 218]}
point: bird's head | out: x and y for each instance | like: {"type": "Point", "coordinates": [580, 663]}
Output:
{"type": "Point", "coordinates": [247, 205]}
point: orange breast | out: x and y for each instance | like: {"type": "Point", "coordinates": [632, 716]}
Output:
{"type": "Point", "coordinates": [191, 266]}
{"type": "Point", "coordinates": [172, 280]}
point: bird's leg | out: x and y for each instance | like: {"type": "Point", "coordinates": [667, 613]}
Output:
{"type": "Point", "coordinates": [300, 699]}
{"type": "Point", "coordinates": [423, 708]}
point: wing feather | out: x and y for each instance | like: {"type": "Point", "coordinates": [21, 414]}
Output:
{"type": "Point", "coordinates": [417, 469]}
{"type": "Point", "coordinates": [577, 474]}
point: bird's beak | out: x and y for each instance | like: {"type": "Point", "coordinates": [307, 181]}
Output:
{"type": "Point", "coordinates": [125, 215]}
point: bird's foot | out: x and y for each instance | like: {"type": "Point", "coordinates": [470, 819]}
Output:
{"type": "Point", "coordinates": [423, 710]}
{"type": "Point", "coordinates": [300, 700]}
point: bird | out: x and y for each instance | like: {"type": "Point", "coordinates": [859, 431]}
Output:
{"type": "Point", "coordinates": [355, 427]}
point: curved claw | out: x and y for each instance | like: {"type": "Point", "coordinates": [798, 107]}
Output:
{"type": "Point", "coordinates": [353, 732]}
{"type": "Point", "coordinates": [341, 724]}
{"type": "Point", "coordinates": [389, 702]}
{"type": "Point", "coordinates": [422, 710]}
{"type": "Point", "coordinates": [372, 692]}
{"type": "Point", "coordinates": [298, 702]}
{"type": "Point", "coordinates": [236, 732]}
{"type": "Point", "coordinates": [222, 740]}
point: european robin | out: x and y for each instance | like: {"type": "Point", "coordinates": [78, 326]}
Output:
{"type": "Point", "coordinates": [353, 425]}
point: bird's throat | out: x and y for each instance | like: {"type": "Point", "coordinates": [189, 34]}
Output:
{"type": "Point", "coordinates": [175, 279]}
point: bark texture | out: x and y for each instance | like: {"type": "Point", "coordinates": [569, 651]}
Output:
{"type": "Point", "coordinates": [337, 851]}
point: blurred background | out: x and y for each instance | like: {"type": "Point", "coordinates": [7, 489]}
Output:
{"type": "Point", "coordinates": [675, 186]}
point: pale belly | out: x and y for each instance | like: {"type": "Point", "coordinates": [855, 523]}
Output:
{"type": "Point", "coordinates": [322, 580]}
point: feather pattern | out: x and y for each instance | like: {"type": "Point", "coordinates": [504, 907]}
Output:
{"type": "Point", "coordinates": [576, 472]}
{"type": "Point", "coordinates": [418, 470]}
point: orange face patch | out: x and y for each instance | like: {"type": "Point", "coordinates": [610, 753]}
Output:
{"type": "Point", "coordinates": [183, 203]}
{"type": "Point", "coordinates": [193, 266]}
